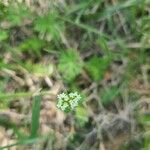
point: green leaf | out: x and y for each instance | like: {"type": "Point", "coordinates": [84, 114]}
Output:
{"type": "Point", "coordinates": [97, 66]}
{"type": "Point", "coordinates": [17, 13]}
{"type": "Point", "coordinates": [109, 95]}
{"type": "Point", "coordinates": [3, 35]}
{"type": "Point", "coordinates": [35, 116]}
{"type": "Point", "coordinates": [49, 25]}
{"type": "Point", "coordinates": [70, 64]}
{"type": "Point", "coordinates": [34, 44]}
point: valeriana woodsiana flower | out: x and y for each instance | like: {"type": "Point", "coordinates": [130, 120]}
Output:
{"type": "Point", "coordinates": [68, 102]}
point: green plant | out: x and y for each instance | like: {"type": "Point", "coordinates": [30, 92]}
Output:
{"type": "Point", "coordinates": [50, 25]}
{"type": "Point", "coordinates": [109, 95]}
{"type": "Point", "coordinates": [32, 45]}
{"type": "Point", "coordinates": [35, 116]}
{"type": "Point", "coordinates": [97, 66]}
{"type": "Point", "coordinates": [34, 41]}
{"type": "Point", "coordinates": [70, 64]}
{"type": "Point", "coordinates": [3, 35]}
{"type": "Point", "coordinates": [68, 102]}
{"type": "Point", "coordinates": [17, 14]}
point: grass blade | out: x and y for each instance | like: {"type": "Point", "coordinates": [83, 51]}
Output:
{"type": "Point", "coordinates": [35, 116]}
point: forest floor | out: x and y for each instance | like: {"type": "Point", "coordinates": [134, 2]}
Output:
{"type": "Point", "coordinates": [100, 48]}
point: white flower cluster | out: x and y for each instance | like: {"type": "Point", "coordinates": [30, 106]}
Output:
{"type": "Point", "coordinates": [68, 101]}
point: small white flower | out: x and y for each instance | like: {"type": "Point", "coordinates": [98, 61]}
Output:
{"type": "Point", "coordinates": [78, 97]}
{"type": "Point", "coordinates": [66, 98]}
{"type": "Point", "coordinates": [59, 105]}
{"type": "Point", "coordinates": [61, 96]}
{"type": "Point", "coordinates": [76, 100]}
{"type": "Point", "coordinates": [75, 94]}
{"type": "Point", "coordinates": [65, 105]}
{"type": "Point", "coordinates": [73, 104]}
{"type": "Point", "coordinates": [71, 95]}
{"type": "Point", "coordinates": [69, 101]}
